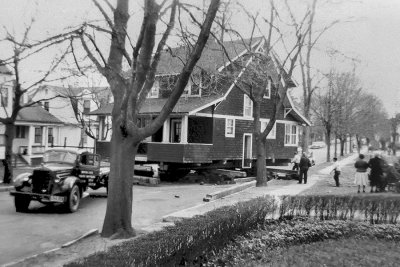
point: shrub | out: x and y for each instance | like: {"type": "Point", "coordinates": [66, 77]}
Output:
{"type": "Point", "coordinates": [188, 240]}
{"type": "Point", "coordinates": [372, 208]}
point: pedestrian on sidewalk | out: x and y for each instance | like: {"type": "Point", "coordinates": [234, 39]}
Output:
{"type": "Point", "coordinates": [336, 169]}
{"type": "Point", "coordinates": [304, 165]}
{"type": "Point", "coordinates": [296, 161]}
{"type": "Point", "coordinates": [361, 176]}
{"type": "Point", "coordinates": [375, 177]}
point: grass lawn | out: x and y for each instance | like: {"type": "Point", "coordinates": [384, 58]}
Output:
{"type": "Point", "coordinates": [343, 252]}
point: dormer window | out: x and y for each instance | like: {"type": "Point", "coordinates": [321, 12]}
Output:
{"type": "Point", "coordinates": [155, 90]}
{"type": "Point", "coordinates": [267, 93]}
{"type": "Point", "coordinates": [193, 87]}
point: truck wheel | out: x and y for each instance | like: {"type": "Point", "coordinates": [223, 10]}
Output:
{"type": "Point", "coordinates": [73, 199]}
{"type": "Point", "coordinates": [21, 203]}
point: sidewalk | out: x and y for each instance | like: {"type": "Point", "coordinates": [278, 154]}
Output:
{"type": "Point", "coordinates": [94, 243]}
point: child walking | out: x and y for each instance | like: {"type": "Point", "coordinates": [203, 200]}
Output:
{"type": "Point", "coordinates": [336, 171]}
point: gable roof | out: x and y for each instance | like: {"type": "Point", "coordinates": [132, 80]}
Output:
{"type": "Point", "coordinates": [37, 114]}
{"type": "Point", "coordinates": [213, 57]}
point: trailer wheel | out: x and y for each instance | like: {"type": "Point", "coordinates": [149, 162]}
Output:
{"type": "Point", "coordinates": [21, 203]}
{"type": "Point", "coordinates": [73, 199]}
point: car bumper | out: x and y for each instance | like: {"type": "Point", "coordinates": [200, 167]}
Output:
{"type": "Point", "coordinates": [40, 197]}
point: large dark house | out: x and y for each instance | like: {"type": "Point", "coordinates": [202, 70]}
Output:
{"type": "Point", "coordinates": [212, 123]}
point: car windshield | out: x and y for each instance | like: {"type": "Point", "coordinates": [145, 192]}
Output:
{"type": "Point", "coordinates": [59, 156]}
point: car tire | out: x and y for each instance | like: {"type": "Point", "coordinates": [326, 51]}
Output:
{"type": "Point", "coordinates": [21, 203]}
{"type": "Point", "coordinates": [73, 199]}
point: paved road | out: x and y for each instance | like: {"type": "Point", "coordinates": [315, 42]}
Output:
{"type": "Point", "coordinates": [47, 227]}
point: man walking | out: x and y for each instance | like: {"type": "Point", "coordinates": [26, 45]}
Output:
{"type": "Point", "coordinates": [304, 165]}
{"type": "Point", "coordinates": [336, 170]}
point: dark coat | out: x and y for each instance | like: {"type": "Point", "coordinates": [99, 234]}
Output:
{"type": "Point", "coordinates": [376, 165]}
{"type": "Point", "coordinates": [304, 163]}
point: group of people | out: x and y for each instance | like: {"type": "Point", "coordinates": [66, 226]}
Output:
{"type": "Point", "coordinates": [375, 177]}
{"type": "Point", "coordinates": [301, 163]}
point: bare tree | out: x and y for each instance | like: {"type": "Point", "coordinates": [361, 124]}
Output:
{"type": "Point", "coordinates": [264, 69]}
{"type": "Point", "coordinates": [22, 50]}
{"type": "Point", "coordinates": [129, 93]}
{"type": "Point", "coordinates": [310, 80]}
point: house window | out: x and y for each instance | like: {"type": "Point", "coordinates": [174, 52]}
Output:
{"type": "Point", "coordinates": [86, 106]}
{"type": "Point", "coordinates": [3, 97]}
{"type": "Point", "coordinates": [272, 133]}
{"type": "Point", "coordinates": [247, 107]}
{"type": "Point", "coordinates": [46, 105]}
{"type": "Point", "coordinates": [290, 134]}
{"type": "Point", "coordinates": [155, 90]}
{"type": "Point", "coordinates": [38, 135]}
{"type": "Point", "coordinates": [195, 85]}
{"type": "Point", "coordinates": [168, 82]}
{"type": "Point", "coordinates": [20, 132]}
{"type": "Point", "coordinates": [176, 127]}
{"type": "Point", "coordinates": [267, 93]}
{"type": "Point", "coordinates": [230, 127]}
{"type": "Point", "coordinates": [50, 137]}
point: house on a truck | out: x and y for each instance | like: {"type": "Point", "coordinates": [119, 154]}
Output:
{"type": "Point", "coordinates": [211, 126]}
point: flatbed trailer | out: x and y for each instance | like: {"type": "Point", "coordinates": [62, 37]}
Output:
{"type": "Point", "coordinates": [284, 172]}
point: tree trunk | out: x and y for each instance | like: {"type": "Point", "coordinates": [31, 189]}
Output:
{"type": "Point", "coordinates": [328, 150]}
{"type": "Point", "coordinates": [306, 138]}
{"type": "Point", "coordinates": [350, 145]}
{"type": "Point", "coordinates": [336, 146]}
{"type": "Point", "coordinates": [118, 219]}
{"type": "Point", "coordinates": [358, 144]}
{"type": "Point", "coordinates": [7, 162]}
{"type": "Point", "coordinates": [342, 141]}
{"type": "Point", "coordinates": [262, 178]}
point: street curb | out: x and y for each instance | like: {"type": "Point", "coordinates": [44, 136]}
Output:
{"type": "Point", "coordinates": [229, 191]}
{"type": "Point", "coordinates": [6, 188]}
{"type": "Point", "coordinates": [85, 235]}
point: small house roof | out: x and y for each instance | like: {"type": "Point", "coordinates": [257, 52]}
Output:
{"type": "Point", "coordinates": [37, 114]}
{"type": "Point", "coordinates": [155, 105]}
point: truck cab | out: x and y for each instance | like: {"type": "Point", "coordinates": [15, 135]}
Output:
{"type": "Point", "coordinates": [63, 177]}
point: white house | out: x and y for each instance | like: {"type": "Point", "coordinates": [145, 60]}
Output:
{"type": "Point", "coordinates": [70, 105]}
{"type": "Point", "coordinates": [36, 129]}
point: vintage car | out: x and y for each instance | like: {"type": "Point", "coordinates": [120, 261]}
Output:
{"type": "Point", "coordinates": [63, 177]}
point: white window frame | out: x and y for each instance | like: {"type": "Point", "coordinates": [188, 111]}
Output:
{"type": "Point", "coordinates": [155, 90]}
{"type": "Point", "coordinates": [227, 126]}
{"type": "Point", "coordinates": [246, 98]}
{"type": "Point", "coordinates": [290, 138]}
{"type": "Point", "coordinates": [272, 133]}
{"type": "Point", "coordinates": [268, 89]}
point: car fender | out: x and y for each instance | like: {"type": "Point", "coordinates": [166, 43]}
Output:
{"type": "Point", "coordinates": [69, 182]}
{"type": "Point", "coordinates": [21, 178]}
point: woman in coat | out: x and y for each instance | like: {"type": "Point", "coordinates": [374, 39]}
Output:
{"type": "Point", "coordinates": [361, 176]}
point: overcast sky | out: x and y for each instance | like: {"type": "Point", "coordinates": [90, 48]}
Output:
{"type": "Point", "coordinates": [372, 36]}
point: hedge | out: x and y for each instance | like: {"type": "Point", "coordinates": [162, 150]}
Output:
{"type": "Point", "coordinates": [190, 240]}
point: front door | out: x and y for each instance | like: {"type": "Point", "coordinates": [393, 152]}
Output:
{"type": "Point", "coordinates": [247, 151]}
{"type": "Point", "coordinates": [176, 126]}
